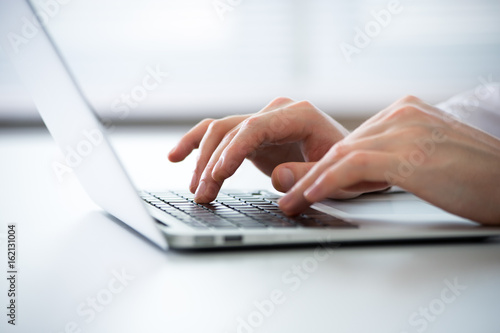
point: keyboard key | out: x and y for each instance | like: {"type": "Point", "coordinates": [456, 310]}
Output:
{"type": "Point", "coordinates": [237, 210]}
{"type": "Point", "coordinates": [256, 201]}
{"type": "Point", "coordinates": [229, 203]}
{"type": "Point", "coordinates": [281, 224]}
{"type": "Point", "coordinates": [250, 210]}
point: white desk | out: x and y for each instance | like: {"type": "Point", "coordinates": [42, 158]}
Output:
{"type": "Point", "coordinates": [68, 251]}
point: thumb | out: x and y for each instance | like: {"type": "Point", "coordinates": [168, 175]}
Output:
{"type": "Point", "coordinates": [285, 175]}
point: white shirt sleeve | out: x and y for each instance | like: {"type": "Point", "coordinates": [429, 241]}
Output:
{"type": "Point", "coordinates": [479, 108]}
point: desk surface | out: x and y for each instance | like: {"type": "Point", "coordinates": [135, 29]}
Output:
{"type": "Point", "coordinates": [78, 271]}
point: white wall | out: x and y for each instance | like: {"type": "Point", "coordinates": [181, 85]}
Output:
{"type": "Point", "coordinates": [262, 49]}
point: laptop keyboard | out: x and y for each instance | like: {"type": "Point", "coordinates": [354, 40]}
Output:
{"type": "Point", "coordinates": [237, 210]}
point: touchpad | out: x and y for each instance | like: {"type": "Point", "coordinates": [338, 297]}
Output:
{"type": "Point", "coordinates": [388, 207]}
{"type": "Point", "coordinates": [378, 206]}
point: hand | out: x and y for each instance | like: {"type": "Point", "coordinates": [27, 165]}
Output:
{"type": "Point", "coordinates": [417, 147]}
{"type": "Point", "coordinates": [283, 140]}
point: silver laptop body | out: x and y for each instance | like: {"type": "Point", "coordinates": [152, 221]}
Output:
{"type": "Point", "coordinates": [74, 126]}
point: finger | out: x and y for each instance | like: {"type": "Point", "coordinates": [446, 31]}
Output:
{"type": "Point", "coordinates": [293, 202]}
{"type": "Point", "coordinates": [366, 187]}
{"type": "Point", "coordinates": [388, 141]}
{"type": "Point", "coordinates": [277, 103]}
{"type": "Point", "coordinates": [285, 175]}
{"type": "Point", "coordinates": [189, 141]}
{"type": "Point", "coordinates": [208, 192]}
{"type": "Point", "coordinates": [211, 186]}
{"type": "Point", "coordinates": [212, 138]}
{"type": "Point", "coordinates": [267, 127]}
{"type": "Point", "coordinates": [266, 159]}
{"type": "Point", "coordinates": [274, 127]}
{"type": "Point", "coordinates": [354, 169]}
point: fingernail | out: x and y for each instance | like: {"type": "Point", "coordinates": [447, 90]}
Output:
{"type": "Point", "coordinates": [285, 201]}
{"type": "Point", "coordinates": [286, 178]}
{"type": "Point", "coordinates": [201, 190]}
{"type": "Point", "coordinates": [194, 181]}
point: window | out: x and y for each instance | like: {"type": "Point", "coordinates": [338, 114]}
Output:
{"type": "Point", "coordinates": [234, 56]}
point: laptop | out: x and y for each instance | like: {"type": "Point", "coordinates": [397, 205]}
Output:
{"type": "Point", "coordinates": [171, 219]}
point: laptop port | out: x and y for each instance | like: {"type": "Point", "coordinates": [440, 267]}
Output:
{"type": "Point", "coordinates": [233, 239]}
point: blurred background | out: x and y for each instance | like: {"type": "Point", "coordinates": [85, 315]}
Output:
{"type": "Point", "coordinates": [234, 56]}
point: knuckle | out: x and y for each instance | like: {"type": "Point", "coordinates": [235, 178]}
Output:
{"type": "Point", "coordinates": [409, 99]}
{"type": "Point", "coordinates": [216, 126]}
{"type": "Point", "coordinates": [405, 111]}
{"type": "Point", "coordinates": [206, 121]}
{"type": "Point", "coordinates": [342, 147]}
{"type": "Point", "coordinates": [280, 101]}
{"type": "Point", "coordinates": [359, 159]}
{"type": "Point", "coordinates": [330, 175]}
{"type": "Point", "coordinates": [304, 105]}
{"type": "Point", "coordinates": [304, 109]}
{"type": "Point", "coordinates": [250, 122]}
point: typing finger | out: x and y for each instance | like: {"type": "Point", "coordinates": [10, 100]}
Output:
{"type": "Point", "coordinates": [272, 127]}
{"type": "Point", "coordinates": [211, 140]}
{"type": "Point", "coordinates": [357, 168]}
{"type": "Point", "coordinates": [293, 202]}
{"type": "Point", "coordinates": [279, 126]}
{"type": "Point", "coordinates": [208, 187]}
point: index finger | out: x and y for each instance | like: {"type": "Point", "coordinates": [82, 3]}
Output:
{"type": "Point", "coordinates": [294, 201]}
{"type": "Point", "coordinates": [275, 127]}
